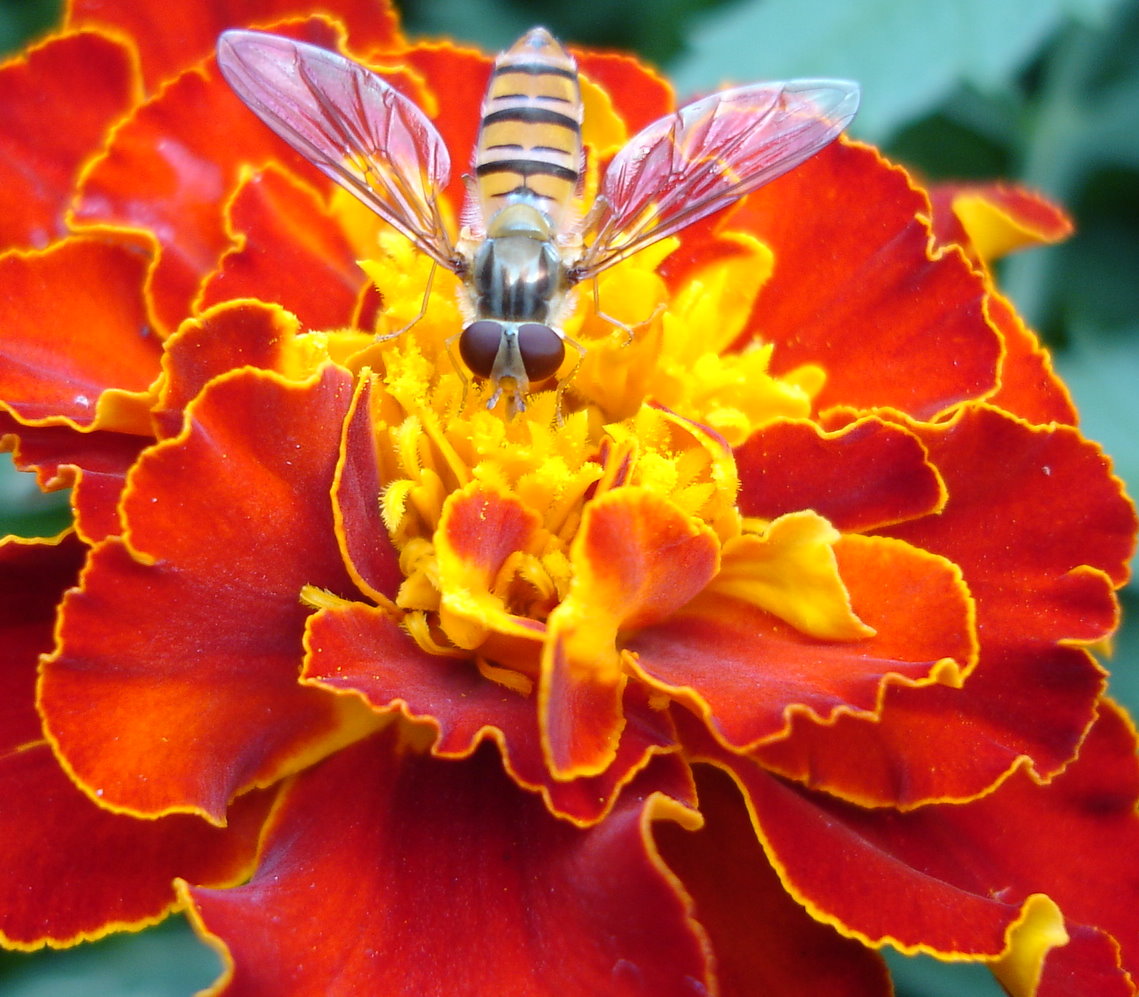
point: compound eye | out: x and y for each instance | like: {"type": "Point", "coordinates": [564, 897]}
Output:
{"type": "Point", "coordinates": [478, 346]}
{"type": "Point", "coordinates": [542, 350]}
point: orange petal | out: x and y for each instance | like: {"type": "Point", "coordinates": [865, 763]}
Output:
{"type": "Point", "coordinates": [77, 333]}
{"type": "Point", "coordinates": [746, 673]}
{"type": "Point", "coordinates": [70, 870]}
{"type": "Point", "coordinates": [358, 648]}
{"type": "Point", "coordinates": [46, 132]}
{"type": "Point", "coordinates": [169, 169]}
{"type": "Point", "coordinates": [890, 323]}
{"type": "Point", "coordinates": [636, 558]}
{"type": "Point", "coordinates": [173, 37]}
{"type": "Point", "coordinates": [171, 646]}
{"type": "Point", "coordinates": [1029, 385]}
{"type": "Point", "coordinates": [287, 245]}
{"type": "Point", "coordinates": [994, 219]}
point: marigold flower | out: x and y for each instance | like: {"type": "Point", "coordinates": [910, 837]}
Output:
{"type": "Point", "coordinates": [772, 648]}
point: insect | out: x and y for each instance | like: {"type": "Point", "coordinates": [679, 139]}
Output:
{"type": "Point", "coordinates": [525, 242]}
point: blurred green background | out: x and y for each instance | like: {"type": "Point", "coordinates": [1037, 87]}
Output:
{"type": "Point", "coordinates": [1041, 91]}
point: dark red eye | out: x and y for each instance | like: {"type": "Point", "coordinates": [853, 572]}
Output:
{"type": "Point", "coordinates": [478, 346]}
{"type": "Point", "coordinates": [542, 350]}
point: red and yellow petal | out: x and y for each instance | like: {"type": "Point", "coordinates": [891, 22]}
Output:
{"type": "Point", "coordinates": [170, 168]}
{"type": "Point", "coordinates": [747, 673]}
{"type": "Point", "coordinates": [637, 559]}
{"type": "Point", "coordinates": [993, 219]}
{"type": "Point", "coordinates": [867, 475]}
{"type": "Point", "coordinates": [1029, 387]}
{"type": "Point", "coordinates": [170, 38]}
{"type": "Point", "coordinates": [765, 942]}
{"type": "Point", "coordinates": [955, 879]}
{"type": "Point", "coordinates": [175, 682]}
{"type": "Point", "coordinates": [354, 648]}
{"type": "Point", "coordinates": [78, 345]}
{"type": "Point", "coordinates": [890, 322]}
{"type": "Point", "coordinates": [287, 245]}
{"type": "Point", "coordinates": [1067, 530]}
{"type": "Point", "coordinates": [458, 876]}
{"type": "Point", "coordinates": [46, 133]}
{"type": "Point", "coordinates": [70, 870]}
{"type": "Point", "coordinates": [93, 465]}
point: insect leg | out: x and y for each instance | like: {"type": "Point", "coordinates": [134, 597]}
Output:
{"type": "Point", "coordinates": [448, 344]}
{"type": "Point", "coordinates": [422, 309]}
{"type": "Point", "coordinates": [565, 381]}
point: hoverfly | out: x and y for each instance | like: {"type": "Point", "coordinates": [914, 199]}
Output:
{"type": "Point", "coordinates": [523, 244]}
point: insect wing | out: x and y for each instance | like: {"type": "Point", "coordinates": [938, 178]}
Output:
{"type": "Point", "coordinates": [350, 124]}
{"type": "Point", "coordinates": [708, 155]}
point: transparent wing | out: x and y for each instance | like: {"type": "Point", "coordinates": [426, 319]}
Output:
{"type": "Point", "coordinates": [707, 155]}
{"type": "Point", "coordinates": [351, 125]}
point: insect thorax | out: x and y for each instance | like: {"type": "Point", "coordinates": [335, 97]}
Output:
{"type": "Point", "coordinates": [517, 272]}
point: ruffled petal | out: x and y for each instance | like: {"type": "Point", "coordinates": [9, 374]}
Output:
{"type": "Point", "coordinates": [93, 465]}
{"type": "Point", "coordinates": [993, 219]}
{"type": "Point", "coordinates": [765, 942]}
{"type": "Point", "coordinates": [170, 168]}
{"type": "Point", "coordinates": [453, 874]}
{"type": "Point", "coordinates": [46, 133]}
{"type": "Point", "coordinates": [71, 871]}
{"type": "Point", "coordinates": [867, 475]}
{"type": "Point", "coordinates": [747, 673]}
{"type": "Point", "coordinates": [175, 683]}
{"type": "Point", "coordinates": [1029, 386]}
{"type": "Point", "coordinates": [171, 37]}
{"type": "Point", "coordinates": [876, 310]}
{"type": "Point", "coordinates": [78, 341]}
{"type": "Point", "coordinates": [956, 879]}
{"type": "Point", "coordinates": [287, 245]}
{"type": "Point", "coordinates": [358, 648]}
{"type": "Point", "coordinates": [637, 559]}
{"type": "Point", "coordinates": [1040, 582]}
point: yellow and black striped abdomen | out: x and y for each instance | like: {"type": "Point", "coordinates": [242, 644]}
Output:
{"type": "Point", "coordinates": [530, 137]}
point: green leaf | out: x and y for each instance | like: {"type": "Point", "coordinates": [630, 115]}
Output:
{"type": "Point", "coordinates": [908, 56]}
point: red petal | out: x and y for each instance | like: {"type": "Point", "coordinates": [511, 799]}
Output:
{"type": "Point", "coordinates": [172, 37]}
{"type": "Point", "coordinates": [287, 247]}
{"type": "Point", "coordinates": [238, 334]}
{"type": "Point", "coordinates": [170, 168]}
{"type": "Point", "coordinates": [765, 943]}
{"type": "Point", "coordinates": [746, 672]}
{"type": "Point", "coordinates": [46, 132]}
{"type": "Point", "coordinates": [358, 648]}
{"type": "Point", "coordinates": [457, 882]}
{"type": "Point", "coordinates": [639, 95]}
{"type": "Point", "coordinates": [992, 219]}
{"type": "Point", "coordinates": [1029, 386]}
{"type": "Point", "coordinates": [75, 324]}
{"type": "Point", "coordinates": [368, 552]}
{"type": "Point", "coordinates": [953, 877]}
{"type": "Point", "coordinates": [93, 465]}
{"type": "Point", "coordinates": [176, 680]}
{"type": "Point", "coordinates": [1030, 509]}
{"type": "Point", "coordinates": [870, 474]}
{"type": "Point", "coordinates": [70, 870]}
{"type": "Point", "coordinates": [937, 743]}
{"type": "Point", "coordinates": [856, 291]}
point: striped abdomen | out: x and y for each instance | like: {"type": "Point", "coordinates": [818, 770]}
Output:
{"type": "Point", "coordinates": [529, 143]}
